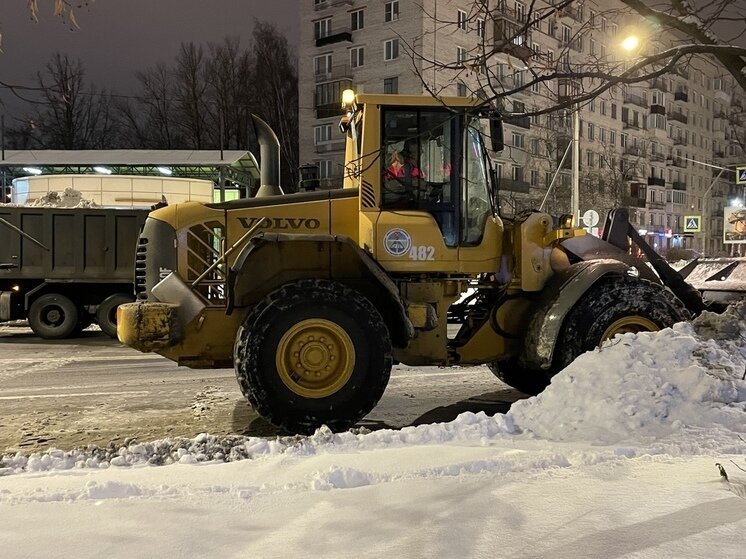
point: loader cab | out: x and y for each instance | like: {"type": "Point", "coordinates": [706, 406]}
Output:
{"type": "Point", "coordinates": [426, 201]}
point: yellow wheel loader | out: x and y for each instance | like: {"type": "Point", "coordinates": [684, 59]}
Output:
{"type": "Point", "coordinates": [313, 296]}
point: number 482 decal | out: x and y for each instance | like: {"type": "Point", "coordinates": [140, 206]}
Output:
{"type": "Point", "coordinates": [422, 252]}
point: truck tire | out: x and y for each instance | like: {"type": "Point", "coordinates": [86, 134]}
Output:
{"type": "Point", "coordinates": [614, 305]}
{"type": "Point", "coordinates": [53, 317]}
{"type": "Point", "coordinates": [106, 314]}
{"type": "Point", "coordinates": [313, 353]}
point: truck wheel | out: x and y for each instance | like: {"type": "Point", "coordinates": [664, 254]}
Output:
{"type": "Point", "coordinates": [106, 314]}
{"type": "Point", "coordinates": [313, 352]}
{"type": "Point", "coordinates": [615, 305]}
{"type": "Point", "coordinates": [53, 317]}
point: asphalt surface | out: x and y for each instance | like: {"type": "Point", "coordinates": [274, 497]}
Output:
{"type": "Point", "coordinates": [93, 390]}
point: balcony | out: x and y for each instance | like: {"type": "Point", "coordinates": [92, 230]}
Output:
{"type": "Point", "coordinates": [680, 141]}
{"type": "Point", "coordinates": [634, 150]}
{"type": "Point", "coordinates": [337, 36]}
{"type": "Point", "coordinates": [572, 13]}
{"type": "Point", "coordinates": [659, 84]}
{"type": "Point", "coordinates": [656, 181]}
{"type": "Point", "coordinates": [341, 72]}
{"type": "Point", "coordinates": [632, 99]}
{"type": "Point", "coordinates": [513, 39]}
{"type": "Point", "coordinates": [503, 11]}
{"type": "Point", "coordinates": [722, 96]}
{"type": "Point", "coordinates": [681, 96]}
{"type": "Point", "coordinates": [661, 158]}
{"type": "Point", "coordinates": [327, 98]}
{"type": "Point", "coordinates": [332, 145]}
{"type": "Point", "coordinates": [677, 162]}
{"type": "Point", "coordinates": [679, 185]}
{"type": "Point", "coordinates": [633, 202]}
{"type": "Point", "coordinates": [326, 3]}
{"type": "Point", "coordinates": [656, 205]}
{"type": "Point", "coordinates": [678, 117]}
{"type": "Point", "coordinates": [633, 125]}
{"type": "Point", "coordinates": [514, 185]}
{"type": "Point", "coordinates": [718, 154]}
{"type": "Point", "coordinates": [657, 110]}
{"type": "Point", "coordinates": [520, 121]}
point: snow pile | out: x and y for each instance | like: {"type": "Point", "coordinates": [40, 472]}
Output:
{"type": "Point", "coordinates": [70, 198]}
{"type": "Point", "coordinates": [649, 386]}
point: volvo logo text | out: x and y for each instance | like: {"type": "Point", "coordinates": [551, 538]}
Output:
{"type": "Point", "coordinates": [281, 222]}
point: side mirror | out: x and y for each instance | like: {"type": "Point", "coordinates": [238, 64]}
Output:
{"type": "Point", "coordinates": [497, 142]}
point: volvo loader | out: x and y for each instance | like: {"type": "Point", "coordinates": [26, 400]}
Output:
{"type": "Point", "coordinates": [313, 296]}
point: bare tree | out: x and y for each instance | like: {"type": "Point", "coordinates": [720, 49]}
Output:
{"type": "Point", "coordinates": [69, 114]}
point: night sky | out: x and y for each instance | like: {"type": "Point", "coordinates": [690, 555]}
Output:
{"type": "Point", "coordinates": [119, 37]}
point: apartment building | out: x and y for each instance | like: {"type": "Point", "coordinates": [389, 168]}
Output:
{"type": "Point", "coordinates": [657, 147]}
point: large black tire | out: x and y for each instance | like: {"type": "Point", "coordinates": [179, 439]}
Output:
{"type": "Point", "coordinates": [106, 314]}
{"type": "Point", "coordinates": [615, 304]}
{"type": "Point", "coordinates": [53, 317]}
{"type": "Point", "coordinates": [296, 322]}
{"type": "Point", "coordinates": [522, 379]}
{"type": "Point", "coordinates": [601, 312]}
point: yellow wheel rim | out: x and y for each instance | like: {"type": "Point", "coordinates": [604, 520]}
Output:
{"type": "Point", "coordinates": [315, 358]}
{"type": "Point", "coordinates": [633, 323]}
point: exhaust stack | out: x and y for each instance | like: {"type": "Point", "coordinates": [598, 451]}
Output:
{"type": "Point", "coordinates": [269, 154]}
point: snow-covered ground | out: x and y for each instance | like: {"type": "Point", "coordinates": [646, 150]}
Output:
{"type": "Point", "coordinates": [615, 459]}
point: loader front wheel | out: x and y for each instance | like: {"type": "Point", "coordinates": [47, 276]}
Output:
{"type": "Point", "coordinates": [615, 305]}
{"type": "Point", "coordinates": [313, 352]}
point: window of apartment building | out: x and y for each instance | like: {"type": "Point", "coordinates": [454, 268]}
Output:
{"type": "Point", "coordinates": [547, 178]}
{"type": "Point", "coordinates": [592, 18]}
{"type": "Point", "coordinates": [623, 140]}
{"type": "Point", "coordinates": [534, 178]}
{"type": "Point", "coordinates": [461, 19]}
{"type": "Point", "coordinates": [461, 89]}
{"type": "Point", "coordinates": [589, 159]}
{"type": "Point", "coordinates": [322, 134]}
{"type": "Point", "coordinates": [520, 11]}
{"type": "Point", "coordinates": [322, 65]}
{"type": "Point", "coordinates": [613, 110]}
{"type": "Point", "coordinates": [613, 29]}
{"type": "Point", "coordinates": [517, 140]}
{"type": "Point", "coordinates": [480, 28]}
{"type": "Point", "coordinates": [391, 49]}
{"type": "Point", "coordinates": [357, 57]}
{"type": "Point", "coordinates": [536, 87]}
{"type": "Point", "coordinates": [612, 137]}
{"type": "Point", "coordinates": [391, 11]}
{"type": "Point", "coordinates": [391, 85]}
{"type": "Point", "coordinates": [322, 28]}
{"type": "Point", "coordinates": [603, 24]}
{"type": "Point", "coordinates": [591, 132]}
{"type": "Point", "coordinates": [516, 173]}
{"type": "Point", "coordinates": [460, 55]}
{"type": "Point", "coordinates": [319, 2]}
{"type": "Point", "coordinates": [325, 168]}
{"type": "Point", "coordinates": [592, 105]}
{"type": "Point", "coordinates": [592, 46]}
{"type": "Point", "coordinates": [602, 135]}
{"type": "Point", "coordinates": [602, 51]}
{"type": "Point", "coordinates": [602, 107]}
{"type": "Point", "coordinates": [357, 20]}
{"type": "Point", "coordinates": [536, 48]}
{"type": "Point", "coordinates": [534, 146]}
{"type": "Point", "coordinates": [566, 34]}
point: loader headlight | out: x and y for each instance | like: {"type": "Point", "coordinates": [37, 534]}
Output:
{"type": "Point", "coordinates": [348, 99]}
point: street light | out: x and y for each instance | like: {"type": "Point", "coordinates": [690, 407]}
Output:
{"type": "Point", "coordinates": [631, 43]}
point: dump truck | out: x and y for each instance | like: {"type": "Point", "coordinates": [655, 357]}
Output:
{"type": "Point", "coordinates": [63, 269]}
{"type": "Point", "coordinates": [313, 296]}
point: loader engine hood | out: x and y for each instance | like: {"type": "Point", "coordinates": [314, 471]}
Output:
{"type": "Point", "coordinates": [156, 257]}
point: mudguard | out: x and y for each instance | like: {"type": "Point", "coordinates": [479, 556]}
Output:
{"type": "Point", "coordinates": [264, 241]}
{"type": "Point", "coordinates": [560, 295]}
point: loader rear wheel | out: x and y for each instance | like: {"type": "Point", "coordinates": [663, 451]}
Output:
{"type": "Point", "coordinates": [522, 379]}
{"type": "Point", "coordinates": [106, 314]}
{"type": "Point", "coordinates": [313, 352]}
{"type": "Point", "coordinates": [53, 317]}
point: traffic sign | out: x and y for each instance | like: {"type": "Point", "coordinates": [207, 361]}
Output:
{"type": "Point", "coordinates": [740, 175]}
{"type": "Point", "coordinates": [590, 218]}
{"type": "Point", "coordinates": [692, 223]}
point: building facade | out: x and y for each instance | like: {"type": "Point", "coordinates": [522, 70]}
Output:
{"type": "Point", "coordinates": [658, 147]}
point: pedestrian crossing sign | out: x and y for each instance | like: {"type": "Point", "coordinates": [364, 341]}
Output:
{"type": "Point", "coordinates": [692, 223]}
{"type": "Point", "coordinates": [740, 175]}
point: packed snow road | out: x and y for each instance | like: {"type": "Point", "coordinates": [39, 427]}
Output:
{"type": "Point", "coordinates": [92, 390]}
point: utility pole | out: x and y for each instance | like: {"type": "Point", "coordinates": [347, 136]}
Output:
{"type": "Point", "coordinates": [576, 164]}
